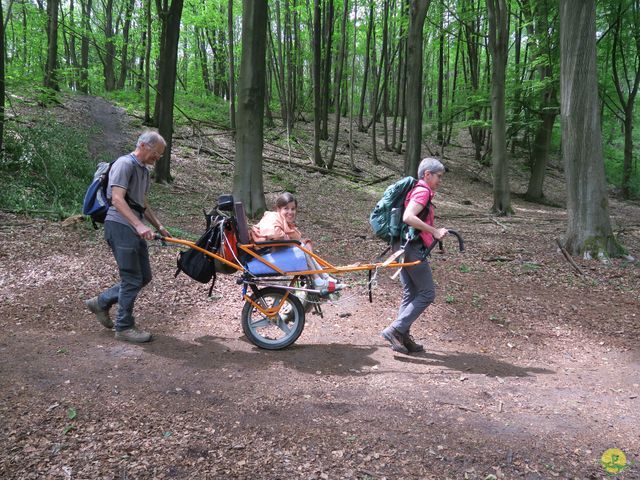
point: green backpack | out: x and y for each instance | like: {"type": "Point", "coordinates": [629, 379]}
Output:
{"type": "Point", "coordinates": [386, 217]}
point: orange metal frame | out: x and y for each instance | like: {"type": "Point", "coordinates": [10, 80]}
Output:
{"type": "Point", "coordinates": [249, 249]}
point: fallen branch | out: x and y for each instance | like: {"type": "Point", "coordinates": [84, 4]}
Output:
{"type": "Point", "coordinates": [504, 229]}
{"type": "Point", "coordinates": [498, 259]}
{"type": "Point", "coordinates": [568, 257]}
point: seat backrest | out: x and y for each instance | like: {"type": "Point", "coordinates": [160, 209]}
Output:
{"type": "Point", "coordinates": [241, 219]}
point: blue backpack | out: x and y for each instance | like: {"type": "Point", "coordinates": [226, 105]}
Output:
{"type": "Point", "coordinates": [95, 202]}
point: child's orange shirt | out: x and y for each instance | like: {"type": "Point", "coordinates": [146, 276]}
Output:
{"type": "Point", "coordinates": [273, 226]}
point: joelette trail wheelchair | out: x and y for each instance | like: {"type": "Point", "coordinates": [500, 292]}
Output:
{"type": "Point", "coordinates": [275, 276]}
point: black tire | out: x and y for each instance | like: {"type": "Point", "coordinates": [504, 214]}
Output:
{"type": "Point", "coordinates": [273, 333]}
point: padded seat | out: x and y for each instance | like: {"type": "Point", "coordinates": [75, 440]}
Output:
{"type": "Point", "coordinates": [241, 222]}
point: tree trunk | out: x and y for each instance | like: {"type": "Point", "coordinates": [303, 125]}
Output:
{"type": "Point", "coordinates": [147, 67]}
{"type": "Point", "coordinates": [365, 76]}
{"type": "Point", "coordinates": [417, 13]}
{"type": "Point", "coordinates": [326, 70]}
{"type": "Point", "coordinates": [280, 67]}
{"type": "Point", "coordinates": [317, 106]}
{"type": "Point", "coordinates": [352, 95]}
{"type": "Point", "coordinates": [288, 45]}
{"type": "Point", "coordinates": [73, 58]}
{"type": "Point", "coordinates": [232, 80]}
{"type": "Point", "coordinates": [2, 86]}
{"type": "Point", "coordinates": [385, 68]}
{"type": "Point", "coordinates": [247, 178]}
{"type": "Point", "coordinates": [140, 74]}
{"type": "Point", "coordinates": [403, 101]}
{"type": "Point", "coordinates": [539, 33]}
{"type": "Point", "coordinates": [498, 45]}
{"type": "Point", "coordinates": [472, 35]}
{"type": "Point", "coordinates": [440, 135]}
{"type": "Point", "coordinates": [109, 49]}
{"type": "Point", "coordinates": [50, 72]}
{"type": "Point", "coordinates": [336, 93]}
{"type": "Point", "coordinates": [124, 59]}
{"type": "Point", "coordinates": [170, 17]}
{"type": "Point", "coordinates": [84, 46]}
{"type": "Point", "coordinates": [375, 74]}
{"type": "Point", "coordinates": [204, 61]}
{"type": "Point", "coordinates": [539, 155]}
{"type": "Point", "coordinates": [627, 84]}
{"type": "Point", "coordinates": [589, 230]}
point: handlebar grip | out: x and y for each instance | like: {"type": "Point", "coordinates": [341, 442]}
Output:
{"type": "Point", "coordinates": [435, 242]}
{"type": "Point", "coordinates": [460, 240]}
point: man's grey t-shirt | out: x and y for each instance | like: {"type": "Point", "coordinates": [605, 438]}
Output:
{"type": "Point", "coordinates": [127, 172]}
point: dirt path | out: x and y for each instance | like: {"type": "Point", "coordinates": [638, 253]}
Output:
{"type": "Point", "coordinates": [530, 371]}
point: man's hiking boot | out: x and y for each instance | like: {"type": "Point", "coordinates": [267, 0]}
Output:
{"type": "Point", "coordinates": [101, 315]}
{"type": "Point", "coordinates": [133, 335]}
{"type": "Point", "coordinates": [411, 345]}
{"type": "Point", "coordinates": [395, 339]}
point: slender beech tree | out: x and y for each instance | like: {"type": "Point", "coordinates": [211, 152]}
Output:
{"type": "Point", "coordinates": [365, 75]}
{"type": "Point", "coordinates": [202, 57]}
{"type": "Point", "coordinates": [147, 65]}
{"type": "Point", "coordinates": [84, 45]}
{"type": "Point", "coordinates": [625, 70]}
{"type": "Point", "coordinates": [247, 178]}
{"type": "Point", "coordinates": [327, 49]}
{"type": "Point", "coordinates": [352, 81]}
{"type": "Point", "coordinates": [338, 83]}
{"type": "Point", "coordinates": [498, 45]}
{"type": "Point", "coordinates": [317, 100]}
{"type": "Point", "coordinates": [232, 80]}
{"type": "Point", "coordinates": [589, 230]}
{"type": "Point", "coordinates": [51, 67]}
{"type": "Point", "coordinates": [544, 37]}
{"type": "Point", "coordinates": [170, 19]}
{"type": "Point", "coordinates": [471, 17]}
{"type": "Point", "coordinates": [124, 55]}
{"type": "Point", "coordinates": [440, 99]}
{"type": "Point", "coordinates": [2, 88]}
{"type": "Point", "coordinates": [417, 13]}
{"type": "Point", "coordinates": [109, 48]}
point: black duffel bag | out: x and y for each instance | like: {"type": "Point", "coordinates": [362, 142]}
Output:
{"type": "Point", "coordinates": [196, 264]}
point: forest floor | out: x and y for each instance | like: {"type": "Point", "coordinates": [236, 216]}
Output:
{"type": "Point", "coordinates": [531, 369]}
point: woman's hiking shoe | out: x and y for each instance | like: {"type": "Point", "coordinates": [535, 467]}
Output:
{"type": "Point", "coordinates": [411, 345]}
{"type": "Point", "coordinates": [133, 335]}
{"type": "Point", "coordinates": [101, 315]}
{"type": "Point", "coordinates": [395, 338]}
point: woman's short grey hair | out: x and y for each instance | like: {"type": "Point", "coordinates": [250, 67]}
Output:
{"type": "Point", "coordinates": [151, 138]}
{"type": "Point", "coordinates": [428, 164]}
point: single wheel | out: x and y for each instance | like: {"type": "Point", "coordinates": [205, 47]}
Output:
{"type": "Point", "coordinates": [276, 331]}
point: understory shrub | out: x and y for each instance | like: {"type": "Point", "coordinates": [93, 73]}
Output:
{"type": "Point", "coordinates": [45, 169]}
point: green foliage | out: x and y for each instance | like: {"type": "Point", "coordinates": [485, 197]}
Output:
{"type": "Point", "coordinates": [476, 300]}
{"type": "Point", "coordinates": [530, 267]}
{"type": "Point", "coordinates": [613, 162]}
{"type": "Point", "coordinates": [46, 169]}
{"type": "Point", "coordinates": [286, 183]}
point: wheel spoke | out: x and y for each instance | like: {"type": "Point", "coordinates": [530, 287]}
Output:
{"type": "Point", "coordinates": [282, 325]}
{"type": "Point", "coordinates": [263, 322]}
